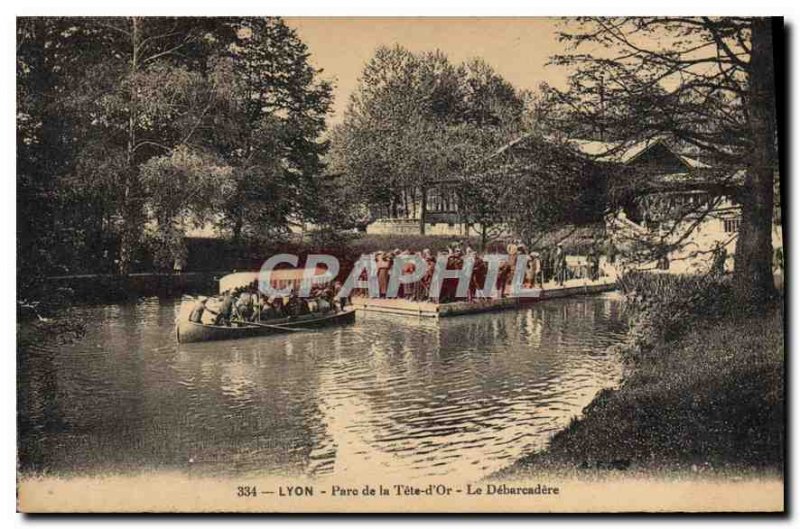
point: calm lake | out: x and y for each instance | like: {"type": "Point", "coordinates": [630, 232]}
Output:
{"type": "Point", "coordinates": [462, 397]}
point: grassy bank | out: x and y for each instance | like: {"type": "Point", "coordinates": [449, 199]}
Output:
{"type": "Point", "coordinates": [703, 390]}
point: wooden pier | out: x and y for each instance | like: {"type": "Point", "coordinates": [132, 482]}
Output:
{"type": "Point", "coordinates": [427, 309]}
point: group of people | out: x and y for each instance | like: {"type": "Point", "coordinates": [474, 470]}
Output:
{"type": "Point", "coordinates": [541, 267]}
{"type": "Point", "coordinates": [551, 263]}
{"type": "Point", "coordinates": [247, 304]}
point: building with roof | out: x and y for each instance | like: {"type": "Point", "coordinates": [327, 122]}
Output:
{"type": "Point", "coordinates": [680, 210]}
{"type": "Point", "coordinates": [443, 214]}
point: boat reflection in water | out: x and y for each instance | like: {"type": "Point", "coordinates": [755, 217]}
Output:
{"type": "Point", "coordinates": [412, 398]}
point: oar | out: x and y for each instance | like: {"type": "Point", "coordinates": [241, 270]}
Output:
{"type": "Point", "coordinates": [268, 326]}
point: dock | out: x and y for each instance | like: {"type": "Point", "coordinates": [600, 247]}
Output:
{"type": "Point", "coordinates": [428, 309]}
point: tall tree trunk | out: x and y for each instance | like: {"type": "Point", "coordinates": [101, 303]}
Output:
{"type": "Point", "coordinates": [753, 280]}
{"type": "Point", "coordinates": [129, 236]}
{"type": "Point", "coordinates": [423, 205]}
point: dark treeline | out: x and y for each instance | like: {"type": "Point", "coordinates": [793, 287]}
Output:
{"type": "Point", "coordinates": [131, 131]}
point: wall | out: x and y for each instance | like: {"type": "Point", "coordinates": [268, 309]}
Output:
{"type": "Point", "coordinates": [411, 227]}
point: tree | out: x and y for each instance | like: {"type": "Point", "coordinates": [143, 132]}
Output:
{"type": "Point", "coordinates": [269, 131]}
{"type": "Point", "coordinates": [142, 93]}
{"type": "Point", "coordinates": [137, 128]}
{"type": "Point", "coordinates": [416, 120]}
{"type": "Point", "coordinates": [391, 125]}
{"type": "Point", "coordinates": [534, 184]}
{"type": "Point", "coordinates": [43, 151]}
{"type": "Point", "coordinates": [184, 188]}
{"type": "Point", "coordinates": [494, 114]}
{"type": "Point", "coordinates": [709, 82]}
{"type": "Point", "coordinates": [482, 181]}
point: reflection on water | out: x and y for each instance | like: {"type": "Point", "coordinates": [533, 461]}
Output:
{"type": "Point", "coordinates": [459, 397]}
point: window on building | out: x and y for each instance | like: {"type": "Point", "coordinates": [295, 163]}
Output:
{"type": "Point", "coordinates": [732, 225]}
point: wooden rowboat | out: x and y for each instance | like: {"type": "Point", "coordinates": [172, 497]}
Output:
{"type": "Point", "coordinates": [190, 332]}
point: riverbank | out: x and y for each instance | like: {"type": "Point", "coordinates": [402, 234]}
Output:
{"type": "Point", "coordinates": [702, 393]}
{"type": "Point", "coordinates": [109, 288]}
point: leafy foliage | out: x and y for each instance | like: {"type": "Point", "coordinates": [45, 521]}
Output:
{"type": "Point", "coordinates": [534, 185]}
{"type": "Point", "coordinates": [269, 131]}
{"type": "Point", "coordinates": [132, 130]}
{"type": "Point", "coordinates": [417, 119]}
{"type": "Point", "coordinates": [662, 305]}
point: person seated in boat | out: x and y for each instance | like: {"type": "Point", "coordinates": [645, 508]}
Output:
{"type": "Point", "coordinates": [303, 306]}
{"type": "Point", "coordinates": [323, 305]}
{"type": "Point", "coordinates": [244, 305]}
{"type": "Point", "coordinates": [341, 300]}
{"type": "Point", "coordinates": [326, 295]}
{"type": "Point", "coordinates": [227, 310]}
{"type": "Point", "coordinates": [199, 308]}
{"type": "Point", "coordinates": [259, 304]}
{"type": "Point", "coordinates": [276, 307]}
{"type": "Point", "coordinates": [273, 307]}
{"type": "Point", "coordinates": [290, 305]}
{"type": "Point", "coordinates": [267, 309]}
{"type": "Point", "coordinates": [318, 292]}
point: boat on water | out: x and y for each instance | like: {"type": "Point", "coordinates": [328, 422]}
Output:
{"type": "Point", "coordinates": [190, 332]}
{"type": "Point", "coordinates": [320, 313]}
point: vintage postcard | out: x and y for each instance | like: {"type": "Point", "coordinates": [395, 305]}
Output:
{"type": "Point", "coordinates": [354, 265]}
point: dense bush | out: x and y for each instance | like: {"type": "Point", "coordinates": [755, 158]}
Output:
{"type": "Point", "coordinates": [663, 307]}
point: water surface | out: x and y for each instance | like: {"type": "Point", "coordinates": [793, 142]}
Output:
{"type": "Point", "coordinates": [415, 398]}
